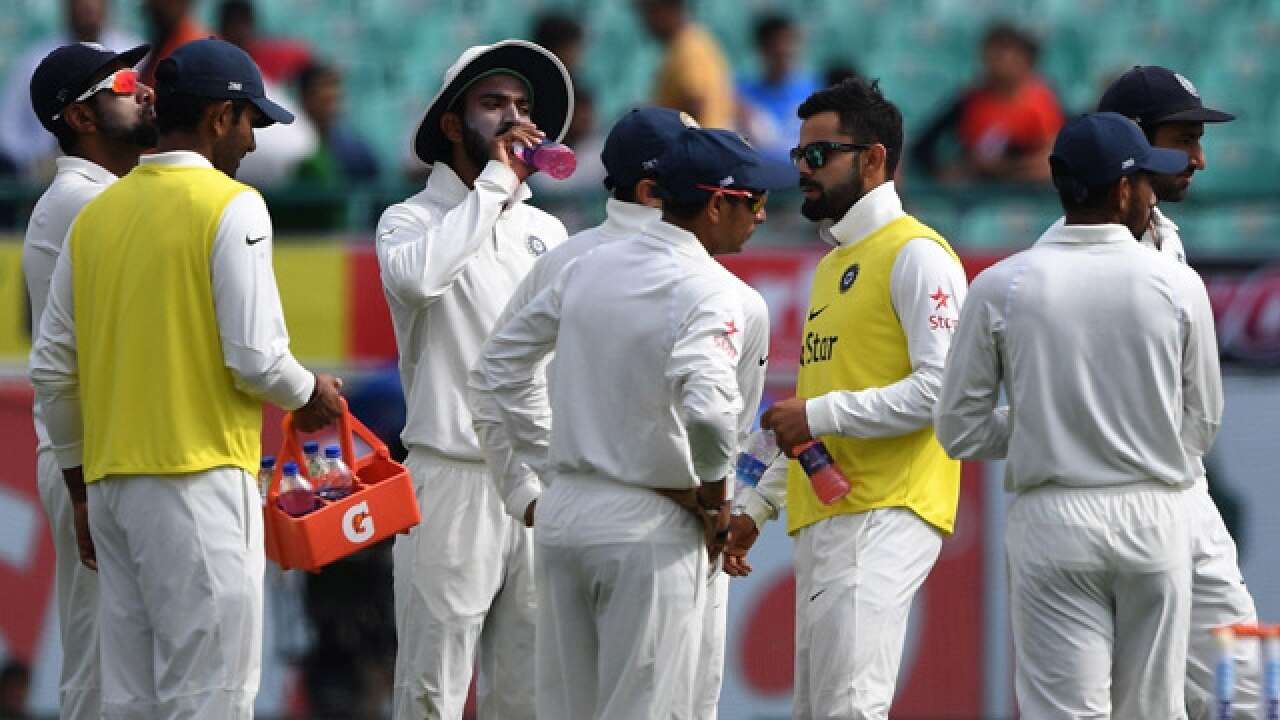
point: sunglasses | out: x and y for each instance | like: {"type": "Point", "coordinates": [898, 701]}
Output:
{"type": "Point", "coordinates": [121, 82]}
{"type": "Point", "coordinates": [757, 199]}
{"type": "Point", "coordinates": [815, 153]}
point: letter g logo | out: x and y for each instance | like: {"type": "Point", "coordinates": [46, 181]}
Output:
{"type": "Point", "coordinates": [357, 523]}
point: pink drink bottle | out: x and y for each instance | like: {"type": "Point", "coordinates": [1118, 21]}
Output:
{"type": "Point", "coordinates": [296, 497]}
{"type": "Point", "coordinates": [337, 482]}
{"type": "Point", "coordinates": [552, 158]}
{"type": "Point", "coordinates": [829, 483]}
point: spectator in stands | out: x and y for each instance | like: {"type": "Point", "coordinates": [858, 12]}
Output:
{"type": "Point", "coordinates": [561, 34]}
{"type": "Point", "coordinates": [170, 25]}
{"type": "Point", "coordinates": [26, 148]}
{"type": "Point", "coordinates": [836, 72]}
{"type": "Point", "coordinates": [341, 156]}
{"type": "Point", "coordinates": [694, 76]}
{"type": "Point", "coordinates": [1005, 123]}
{"type": "Point", "coordinates": [767, 104]}
{"type": "Point", "coordinates": [15, 686]}
{"type": "Point", "coordinates": [586, 185]}
{"type": "Point", "coordinates": [280, 59]}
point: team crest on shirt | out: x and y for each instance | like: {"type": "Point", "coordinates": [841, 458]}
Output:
{"type": "Point", "coordinates": [847, 279]}
{"type": "Point", "coordinates": [535, 245]}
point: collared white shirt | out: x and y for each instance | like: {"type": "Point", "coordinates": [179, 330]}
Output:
{"type": "Point", "coordinates": [643, 390]}
{"type": "Point", "coordinates": [519, 486]}
{"type": "Point", "coordinates": [1107, 354]}
{"type": "Point", "coordinates": [450, 259]}
{"type": "Point", "coordinates": [1163, 236]}
{"type": "Point", "coordinates": [78, 181]}
{"type": "Point", "coordinates": [927, 287]}
{"type": "Point", "coordinates": [255, 342]}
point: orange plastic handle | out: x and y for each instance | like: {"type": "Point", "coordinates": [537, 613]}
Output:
{"type": "Point", "coordinates": [348, 426]}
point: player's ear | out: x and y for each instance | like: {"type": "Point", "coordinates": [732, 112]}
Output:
{"type": "Point", "coordinates": [646, 193]}
{"type": "Point", "coordinates": [451, 126]}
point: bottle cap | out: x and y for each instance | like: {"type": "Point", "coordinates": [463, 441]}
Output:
{"type": "Point", "coordinates": [291, 468]}
{"type": "Point", "coordinates": [268, 462]}
{"type": "Point", "coordinates": [311, 447]}
{"type": "Point", "coordinates": [332, 451]}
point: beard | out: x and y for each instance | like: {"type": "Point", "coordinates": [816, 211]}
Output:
{"type": "Point", "coordinates": [832, 202]}
{"type": "Point", "coordinates": [1171, 188]}
{"type": "Point", "coordinates": [475, 145]}
{"type": "Point", "coordinates": [140, 133]}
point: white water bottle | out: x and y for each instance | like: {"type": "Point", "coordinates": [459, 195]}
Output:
{"type": "Point", "coordinates": [758, 453]}
{"type": "Point", "coordinates": [267, 466]}
{"type": "Point", "coordinates": [337, 482]}
{"type": "Point", "coordinates": [315, 463]}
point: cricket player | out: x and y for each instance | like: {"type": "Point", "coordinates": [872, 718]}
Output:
{"type": "Point", "coordinates": [881, 314]}
{"type": "Point", "coordinates": [632, 147]}
{"type": "Point", "coordinates": [1107, 354]}
{"type": "Point", "coordinates": [1167, 106]}
{"type": "Point", "coordinates": [450, 257]}
{"type": "Point", "coordinates": [160, 340]}
{"type": "Point", "coordinates": [644, 393]}
{"type": "Point", "coordinates": [90, 99]}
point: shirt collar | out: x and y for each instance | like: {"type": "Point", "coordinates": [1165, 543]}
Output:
{"type": "Point", "coordinates": [683, 241]}
{"type": "Point", "coordinates": [176, 158]}
{"type": "Point", "coordinates": [873, 211]}
{"type": "Point", "coordinates": [627, 218]}
{"type": "Point", "coordinates": [90, 170]}
{"type": "Point", "coordinates": [1086, 234]}
{"type": "Point", "coordinates": [446, 188]}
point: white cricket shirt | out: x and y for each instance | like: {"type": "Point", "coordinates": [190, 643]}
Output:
{"type": "Point", "coordinates": [1108, 357]}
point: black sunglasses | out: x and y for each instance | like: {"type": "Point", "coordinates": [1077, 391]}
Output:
{"type": "Point", "coordinates": [815, 153]}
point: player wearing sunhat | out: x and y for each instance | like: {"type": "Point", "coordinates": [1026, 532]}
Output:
{"type": "Point", "coordinates": [450, 257]}
{"type": "Point", "coordinates": [1168, 108]}
{"type": "Point", "coordinates": [1108, 356]}
{"type": "Point", "coordinates": [90, 99]}
{"type": "Point", "coordinates": [645, 399]}
{"type": "Point", "coordinates": [162, 336]}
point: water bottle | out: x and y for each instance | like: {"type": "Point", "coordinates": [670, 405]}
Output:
{"type": "Point", "coordinates": [296, 497]}
{"type": "Point", "coordinates": [758, 453]}
{"type": "Point", "coordinates": [336, 483]}
{"type": "Point", "coordinates": [315, 463]}
{"type": "Point", "coordinates": [1271, 672]}
{"type": "Point", "coordinates": [1224, 673]}
{"type": "Point", "coordinates": [552, 158]}
{"type": "Point", "coordinates": [264, 475]}
{"type": "Point", "coordinates": [829, 483]}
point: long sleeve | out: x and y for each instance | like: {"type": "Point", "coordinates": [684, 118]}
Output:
{"type": "Point", "coordinates": [966, 419]}
{"type": "Point", "coordinates": [54, 368]}
{"type": "Point", "coordinates": [255, 341]}
{"type": "Point", "coordinates": [517, 485]}
{"type": "Point", "coordinates": [508, 394]}
{"type": "Point", "coordinates": [928, 289]}
{"type": "Point", "coordinates": [420, 260]}
{"type": "Point", "coordinates": [703, 365]}
{"type": "Point", "coordinates": [1202, 400]}
{"type": "Point", "coordinates": [767, 499]}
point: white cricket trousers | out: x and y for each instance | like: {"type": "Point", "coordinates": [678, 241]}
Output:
{"type": "Point", "coordinates": [76, 587]}
{"type": "Point", "coordinates": [463, 582]}
{"type": "Point", "coordinates": [619, 624]}
{"type": "Point", "coordinates": [180, 564]}
{"type": "Point", "coordinates": [856, 576]}
{"type": "Point", "coordinates": [1100, 583]}
{"type": "Point", "coordinates": [1218, 597]}
{"type": "Point", "coordinates": [708, 673]}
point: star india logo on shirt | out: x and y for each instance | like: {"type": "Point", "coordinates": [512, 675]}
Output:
{"type": "Point", "coordinates": [536, 246]}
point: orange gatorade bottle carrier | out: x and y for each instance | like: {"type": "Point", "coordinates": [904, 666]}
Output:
{"type": "Point", "coordinates": [382, 504]}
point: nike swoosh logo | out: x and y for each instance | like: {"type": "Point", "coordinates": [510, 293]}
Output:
{"type": "Point", "coordinates": [253, 240]}
{"type": "Point", "coordinates": [815, 313]}
{"type": "Point", "coordinates": [763, 359]}
{"type": "Point", "coordinates": [815, 595]}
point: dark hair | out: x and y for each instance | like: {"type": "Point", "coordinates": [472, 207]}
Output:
{"type": "Point", "coordinates": [556, 29]}
{"type": "Point", "coordinates": [180, 111]}
{"type": "Point", "coordinates": [1076, 197]}
{"type": "Point", "coordinates": [1003, 33]}
{"type": "Point", "coordinates": [838, 72]}
{"type": "Point", "coordinates": [769, 26]}
{"type": "Point", "coordinates": [625, 193]}
{"type": "Point", "coordinates": [66, 137]}
{"type": "Point", "coordinates": [315, 73]}
{"type": "Point", "coordinates": [864, 113]}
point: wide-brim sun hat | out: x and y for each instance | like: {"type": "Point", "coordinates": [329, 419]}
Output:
{"type": "Point", "coordinates": [546, 78]}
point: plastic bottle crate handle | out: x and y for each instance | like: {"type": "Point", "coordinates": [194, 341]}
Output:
{"type": "Point", "coordinates": [348, 426]}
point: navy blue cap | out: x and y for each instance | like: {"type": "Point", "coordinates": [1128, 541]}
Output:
{"type": "Point", "coordinates": [69, 70]}
{"type": "Point", "coordinates": [1096, 149]}
{"type": "Point", "coordinates": [216, 69]}
{"type": "Point", "coordinates": [1151, 95]}
{"type": "Point", "coordinates": [718, 158]}
{"type": "Point", "coordinates": [631, 151]}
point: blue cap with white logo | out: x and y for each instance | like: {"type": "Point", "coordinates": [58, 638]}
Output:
{"type": "Point", "coordinates": [1096, 149]}
{"type": "Point", "coordinates": [637, 140]}
{"type": "Point", "coordinates": [701, 158]}
{"type": "Point", "coordinates": [216, 69]}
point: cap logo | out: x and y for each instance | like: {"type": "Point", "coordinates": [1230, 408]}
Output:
{"type": "Point", "coordinates": [1186, 85]}
{"type": "Point", "coordinates": [687, 120]}
{"type": "Point", "coordinates": [727, 181]}
{"type": "Point", "coordinates": [233, 85]}
{"type": "Point", "coordinates": [96, 46]}
{"type": "Point", "coordinates": [1127, 164]}
{"type": "Point", "coordinates": [649, 164]}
